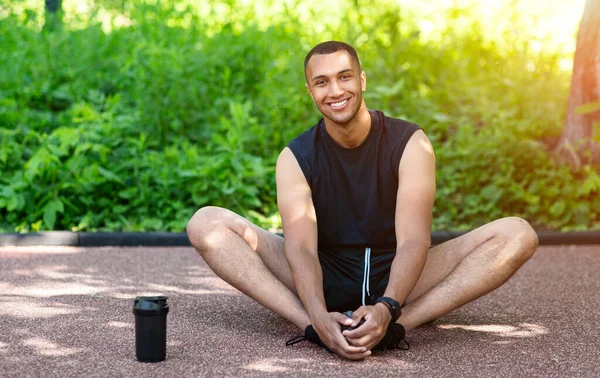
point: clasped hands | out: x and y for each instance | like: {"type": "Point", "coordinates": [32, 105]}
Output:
{"type": "Point", "coordinates": [353, 344]}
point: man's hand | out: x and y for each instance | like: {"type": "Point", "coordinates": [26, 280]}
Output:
{"type": "Point", "coordinates": [368, 335]}
{"type": "Point", "coordinates": [329, 328]}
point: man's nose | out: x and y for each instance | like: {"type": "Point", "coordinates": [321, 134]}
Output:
{"type": "Point", "coordinates": [334, 89]}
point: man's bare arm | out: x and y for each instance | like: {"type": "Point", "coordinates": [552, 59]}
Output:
{"type": "Point", "coordinates": [294, 199]}
{"type": "Point", "coordinates": [414, 207]}
{"type": "Point", "coordinates": [297, 211]}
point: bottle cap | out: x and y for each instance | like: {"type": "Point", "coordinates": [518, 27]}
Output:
{"type": "Point", "coordinates": [150, 306]}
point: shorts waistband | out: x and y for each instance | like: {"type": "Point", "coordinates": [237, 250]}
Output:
{"type": "Point", "coordinates": [357, 250]}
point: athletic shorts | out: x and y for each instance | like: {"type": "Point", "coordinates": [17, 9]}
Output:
{"type": "Point", "coordinates": [354, 277]}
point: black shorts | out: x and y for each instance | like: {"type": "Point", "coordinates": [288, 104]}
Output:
{"type": "Point", "coordinates": [355, 277]}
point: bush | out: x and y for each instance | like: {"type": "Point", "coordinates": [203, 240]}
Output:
{"type": "Point", "coordinates": [135, 128]}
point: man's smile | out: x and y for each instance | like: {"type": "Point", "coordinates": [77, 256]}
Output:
{"type": "Point", "coordinates": [339, 104]}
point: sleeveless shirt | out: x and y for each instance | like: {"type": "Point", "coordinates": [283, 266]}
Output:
{"type": "Point", "coordinates": [354, 190]}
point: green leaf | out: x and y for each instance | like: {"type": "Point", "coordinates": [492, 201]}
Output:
{"type": "Point", "coordinates": [33, 165]}
{"type": "Point", "coordinates": [590, 185]}
{"type": "Point", "coordinates": [558, 208]}
{"type": "Point", "coordinates": [253, 201]}
{"type": "Point", "coordinates": [237, 165]}
{"type": "Point", "coordinates": [119, 209]}
{"type": "Point", "coordinates": [492, 193]}
{"type": "Point", "coordinates": [128, 193]}
{"type": "Point", "coordinates": [152, 224]}
{"type": "Point", "coordinates": [109, 175]}
{"type": "Point", "coordinates": [49, 216]}
{"type": "Point", "coordinates": [440, 117]}
{"type": "Point", "coordinates": [227, 190]}
{"type": "Point", "coordinates": [12, 203]}
{"type": "Point", "coordinates": [188, 173]}
{"type": "Point", "coordinates": [57, 205]}
{"type": "Point", "coordinates": [35, 227]}
{"type": "Point", "coordinates": [4, 154]}
{"type": "Point", "coordinates": [220, 141]}
{"type": "Point", "coordinates": [590, 107]}
{"type": "Point", "coordinates": [67, 136]}
{"type": "Point", "coordinates": [7, 192]}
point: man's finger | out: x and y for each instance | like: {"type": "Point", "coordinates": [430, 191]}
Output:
{"type": "Point", "coordinates": [342, 319]}
{"type": "Point", "coordinates": [351, 349]}
{"type": "Point", "coordinates": [358, 332]}
{"type": "Point", "coordinates": [356, 356]}
{"type": "Point", "coordinates": [365, 329]}
{"type": "Point", "coordinates": [351, 352]}
{"type": "Point", "coordinates": [358, 315]}
{"type": "Point", "coordinates": [362, 342]}
{"type": "Point", "coordinates": [341, 345]}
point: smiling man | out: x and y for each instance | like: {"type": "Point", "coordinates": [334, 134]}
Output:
{"type": "Point", "coordinates": [356, 194]}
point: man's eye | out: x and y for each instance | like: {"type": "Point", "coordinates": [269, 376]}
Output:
{"type": "Point", "coordinates": [344, 77]}
{"type": "Point", "coordinates": [320, 82]}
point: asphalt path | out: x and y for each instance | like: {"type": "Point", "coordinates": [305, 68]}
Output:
{"type": "Point", "coordinates": [67, 312]}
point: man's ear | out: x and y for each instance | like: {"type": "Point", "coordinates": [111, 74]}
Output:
{"type": "Point", "coordinates": [308, 89]}
{"type": "Point", "coordinates": [363, 81]}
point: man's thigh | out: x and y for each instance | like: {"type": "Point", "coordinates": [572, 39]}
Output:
{"type": "Point", "coordinates": [442, 259]}
{"type": "Point", "coordinates": [267, 245]}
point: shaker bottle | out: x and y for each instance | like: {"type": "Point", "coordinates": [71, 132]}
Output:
{"type": "Point", "coordinates": [150, 328]}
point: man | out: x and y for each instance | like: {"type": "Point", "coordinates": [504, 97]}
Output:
{"type": "Point", "coordinates": [355, 194]}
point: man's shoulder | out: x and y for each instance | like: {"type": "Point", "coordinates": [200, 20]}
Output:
{"type": "Point", "coordinates": [303, 147]}
{"type": "Point", "coordinates": [396, 133]}
{"type": "Point", "coordinates": [397, 124]}
{"type": "Point", "coordinates": [304, 141]}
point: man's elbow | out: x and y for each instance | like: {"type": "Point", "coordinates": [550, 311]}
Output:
{"type": "Point", "coordinates": [416, 245]}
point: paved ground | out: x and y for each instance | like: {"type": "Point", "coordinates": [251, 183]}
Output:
{"type": "Point", "coordinates": [67, 312]}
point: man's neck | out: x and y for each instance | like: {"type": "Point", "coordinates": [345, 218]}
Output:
{"type": "Point", "coordinates": [353, 133]}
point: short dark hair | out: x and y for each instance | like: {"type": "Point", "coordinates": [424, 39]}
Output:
{"type": "Point", "coordinates": [331, 47]}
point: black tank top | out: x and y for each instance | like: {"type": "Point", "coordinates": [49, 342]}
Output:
{"type": "Point", "coordinates": [354, 190]}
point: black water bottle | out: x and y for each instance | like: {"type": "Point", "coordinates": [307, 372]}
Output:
{"type": "Point", "coordinates": [150, 328]}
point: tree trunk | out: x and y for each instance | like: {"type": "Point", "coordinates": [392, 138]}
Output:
{"type": "Point", "coordinates": [577, 146]}
{"type": "Point", "coordinates": [53, 14]}
{"type": "Point", "coordinates": [53, 6]}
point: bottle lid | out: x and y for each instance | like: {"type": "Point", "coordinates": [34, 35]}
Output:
{"type": "Point", "coordinates": [156, 305]}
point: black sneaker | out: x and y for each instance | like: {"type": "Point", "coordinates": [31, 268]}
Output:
{"type": "Point", "coordinates": [393, 339]}
{"type": "Point", "coordinates": [309, 334]}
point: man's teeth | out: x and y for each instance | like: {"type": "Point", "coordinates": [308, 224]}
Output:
{"type": "Point", "coordinates": [338, 104]}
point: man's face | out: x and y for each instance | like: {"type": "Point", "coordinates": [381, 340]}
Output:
{"type": "Point", "coordinates": [335, 84]}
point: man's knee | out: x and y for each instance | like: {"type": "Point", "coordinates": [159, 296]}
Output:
{"type": "Point", "coordinates": [523, 239]}
{"type": "Point", "coordinates": [205, 225]}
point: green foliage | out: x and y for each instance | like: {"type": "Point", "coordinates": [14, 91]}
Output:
{"type": "Point", "coordinates": [101, 172]}
{"type": "Point", "coordinates": [488, 173]}
{"type": "Point", "coordinates": [137, 127]}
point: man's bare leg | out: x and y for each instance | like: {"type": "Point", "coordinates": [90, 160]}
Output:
{"type": "Point", "coordinates": [249, 258]}
{"type": "Point", "coordinates": [463, 269]}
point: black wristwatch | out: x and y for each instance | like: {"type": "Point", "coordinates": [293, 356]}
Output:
{"type": "Point", "coordinates": [392, 305]}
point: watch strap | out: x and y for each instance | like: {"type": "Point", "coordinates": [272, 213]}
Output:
{"type": "Point", "coordinates": [392, 305]}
